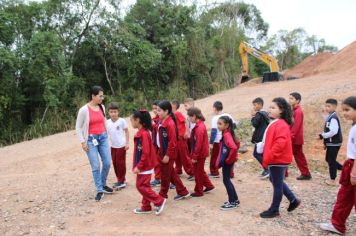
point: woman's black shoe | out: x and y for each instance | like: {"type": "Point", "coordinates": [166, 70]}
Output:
{"type": "Point", "coordinates": [269, 214]}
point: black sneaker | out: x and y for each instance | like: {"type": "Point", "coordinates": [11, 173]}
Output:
{"type": "Point", "coordinates": [304, 177]}
{"type": "Point", "coordinates": [99, 196]}
{"type": "Point", "coordinates": [180, 197]}
{"type": "Point", "coordinates": [293, 205]}
{"type": "Point", "coordinates": [155, 183]}
{"type": "Point", "coordinates": [237, 203]}
{"type": "Point", "coordinates": [108, 190]}
{"type": "Point", "coordinates": [119, 185]}
{"type": "Point", "coordinates": [195, 195]}
{"type": "Point", "coordinates": [214, 176]}
{"type": "Point", "coordinates": [161, 207]}
{"type": "Point", "coordinates": [208, 190]}
{"type": "Point", "coordinates": [191, 178]}
{"type": "Point", "coordinates": [265, 174]}
{"type": "Point", "coordinates": [228, 206]}
{"type": "Point", "coordinates": [269, 214]}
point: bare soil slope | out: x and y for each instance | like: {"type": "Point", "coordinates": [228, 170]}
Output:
{"type": "Point", "coordinates": [326, 63]}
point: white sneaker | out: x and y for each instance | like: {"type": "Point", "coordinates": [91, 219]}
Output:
{"type": "Point", "coordinates": [140, 211]}
{"type": "Point", "coordinates": [330, 227]}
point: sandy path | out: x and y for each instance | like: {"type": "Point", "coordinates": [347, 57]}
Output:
{"type": "Point", "coordinates": [46, 184]}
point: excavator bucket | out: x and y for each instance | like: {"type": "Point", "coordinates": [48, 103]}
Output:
{"type": "Point", "coordinates": [244, 78]}
{"type": "Point", "coordinates": [271, 76]}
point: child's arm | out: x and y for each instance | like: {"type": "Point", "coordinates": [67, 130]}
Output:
{"type": "Point", "coordinates": [279, 142]}
{"type": "Point", "coordinates": [255, 120]}
{"type": "Point", "coordinates": [172, 142]}
{"type": "Point", "coordinates": [198, 143]}
{"type": "Point", "coordinates": [298, 122]}
{"type": "Point", "coordinates": [230, 143]}
{"type": "Point", "coordinates": [214, 132]}
{"type": "Point", "coordinates": [334, 128]}
{"type": "Point", "coordinates": [353, 173]}
{"type": "Point", "coordinates": [145, 152]}
{"type": "Point", "coordinates": [187, 131]}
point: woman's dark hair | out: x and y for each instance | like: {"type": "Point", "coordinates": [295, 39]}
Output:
{"type": "Point", "coordinates": [229, 121]}
{"type": "Point", "coordinates": [167, 106]}
{"type": "Point", "coordinates": [144, 117]}
{"type": "Point", "coordinates": [350, 101]}
{"type": "Point", "coordinates": [95, 90]}
{"type": "Point", "coordinates": [194, 111]}
{"type": "Point", "coordinates": [286, 109]}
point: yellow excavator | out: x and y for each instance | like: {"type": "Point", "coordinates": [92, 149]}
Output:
{"type": "Point", "coordinates": [273, 75]}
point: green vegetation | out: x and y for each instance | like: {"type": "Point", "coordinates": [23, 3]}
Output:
{"type": "Point", "coordinates": [52, 51]}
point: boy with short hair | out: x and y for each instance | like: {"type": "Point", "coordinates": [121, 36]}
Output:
{"type": "Point", "coordinates": [183, 158]}
{"type": "Point", "coordinates": [297, 134]}
{"type": "Point", "coordinates": [118, 132]}
{"type": "Point", "coordinates": [260, 121]}
{"type": "Point", "coordinates": [215, 137]}
{"type": "Point", "coordinates": [155, 122]}
{"type": "Point", "coordinates": [332, 137]}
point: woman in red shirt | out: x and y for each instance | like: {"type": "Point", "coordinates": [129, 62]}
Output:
{"type": "Point", "coordinates": [144, 161]}
{"type": "Point", "coordinates": [91, 131]}
{"type": "Point", "coordinates": [277, 155]}
{"type": "Point", "coordinates": [199, 145]}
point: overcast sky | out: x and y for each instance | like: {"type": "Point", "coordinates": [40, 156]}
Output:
{"type": "Point", "coordinates": [333, 20]}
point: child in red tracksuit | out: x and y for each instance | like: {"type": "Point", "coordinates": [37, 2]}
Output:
{"type": "Point", "coordinates": [276, 147]}
{"type": "Point", "coordinates": [346, 197]}
{"type": "Point", "coordinates": [144, 160]}
{"type": "Point", "coordinates": [183, 158]}
{"type": "Point", "coordinates": [199, 151]}
{"type": "Point", "coordinates": [155, 122]}
{"type": "Point", "coordinates": [297, 135]}
{"type": "Point", "coordinates": [226, 159]}
{"type": "Point", "coordinates": [167, 153]}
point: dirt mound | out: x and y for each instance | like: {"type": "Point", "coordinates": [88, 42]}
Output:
{"type": "Point", "coordinates": [308, 66]}
{"type": "Point", "coordinates": [343, 61]}
{"type": "Point", "coordinates": [326, 63]}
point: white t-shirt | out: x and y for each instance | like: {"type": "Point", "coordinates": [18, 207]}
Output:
{"type": "Point", "coordinates": [116, 131]}
{"type": "Point", "coordinates": [351, 144]}
{"type": "Point", "coordinates": [214, 125]}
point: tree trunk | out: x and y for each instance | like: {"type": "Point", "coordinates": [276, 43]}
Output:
{"type": "Point", "coordinates": [107, 75]}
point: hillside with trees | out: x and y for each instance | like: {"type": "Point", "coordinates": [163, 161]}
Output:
{"type": "Point", "coordinates": [52, 51]}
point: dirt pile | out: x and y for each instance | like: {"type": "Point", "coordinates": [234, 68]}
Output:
{"type": "Point", "coordinates": [342, 62]}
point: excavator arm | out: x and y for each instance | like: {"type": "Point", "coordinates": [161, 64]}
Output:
{"type": "Point", "coordinates": [246, 49]}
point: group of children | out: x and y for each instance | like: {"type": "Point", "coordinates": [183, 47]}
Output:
{"type": "Point", "coordinates": [168, 143]}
